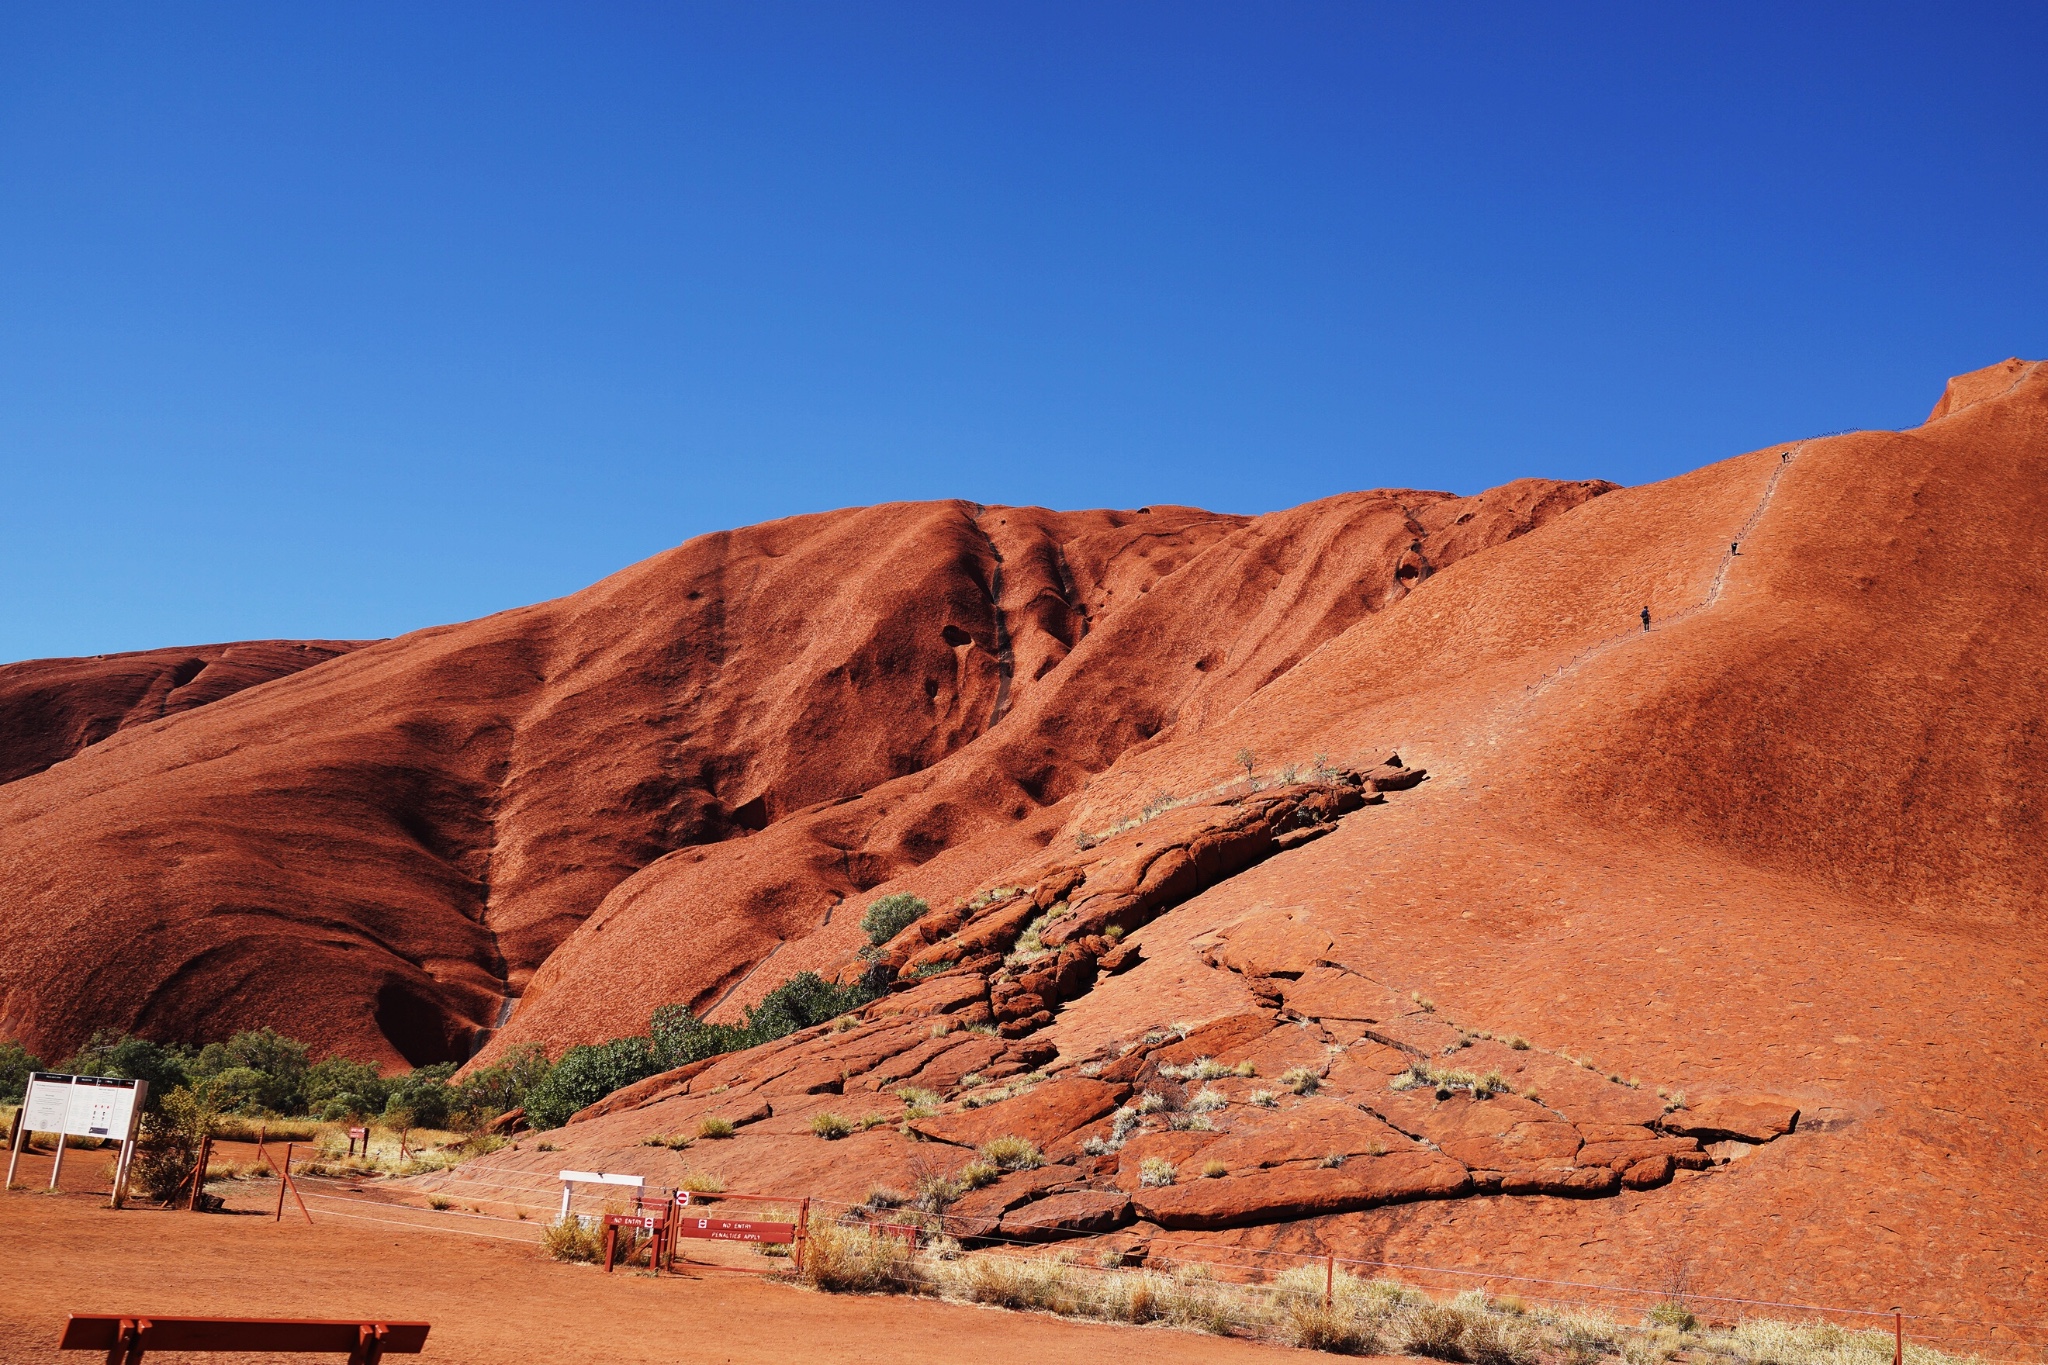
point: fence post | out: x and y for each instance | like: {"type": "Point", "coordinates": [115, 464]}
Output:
{"type": "Point", "coordinates": [283, 1179]}
{"type": "Point", "coordinates": [1898, 1337]}
{"type": "Point", "coordinates": [1329, 1279]}
{"type": "Point", "coordinates": [803, 1232]}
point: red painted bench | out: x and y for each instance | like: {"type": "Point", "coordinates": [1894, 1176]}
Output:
{"type": "Point", "coordinates": [124, 1339]}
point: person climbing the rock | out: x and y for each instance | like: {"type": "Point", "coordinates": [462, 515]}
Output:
{"type": "Point", "coordinates": [1646, 618]}
{"type": "Point", "coordinates": [1734, 546]}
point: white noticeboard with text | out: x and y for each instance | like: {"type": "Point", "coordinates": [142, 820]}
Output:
{"type": "Point", "coordinates": [81, 1106]}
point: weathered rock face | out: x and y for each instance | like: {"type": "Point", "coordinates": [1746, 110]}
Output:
{"type": "Point", "coordinates": [1662, 895]}
{"type": "Point", "coordinates": [52, 708]}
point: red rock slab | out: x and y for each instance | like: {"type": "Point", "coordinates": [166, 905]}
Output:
{"type": "Point", "coordinates": [1043, 1114]}
{"type": "Point", "coordinates": [907, 1063]}
{"type": "Point", "coordinates": [946, 1070]}
{"type": "Point", "coordinates": [1421, 1033]}
{"type": "Point", "coordinates": [1579, 1182]}
{"type": "Point", "coordinates": [1273, 943]}
{"type": "Point", "coordinates": [1291, 1192]}
{"type": "Point", "coordinates": [1219, 1038]}
{"type": "Point", "coordinates": [1364, 1068]}
{"type": "Point", "coordinates": [1285, 1048]}
{"type": "Point", "coordinates": [995, 931]}
{"type": "Point", "coordinates": [1180, 1149]}
{"type": "Point", "coordinates": [1326, 992]}
{"type": "Point", "coordinates": [1742, 1118]}
{"type": "Point", "coordinates": [1493, 1134]}
{"type": "Point", "coordinates": [1620, 1154]}
{"type": "Point", "coordinates": [942, 995]}
{"type": "Point", "coordinates": [1308, 1131]}
{"type": "Point", "coordinates": [976, 1213]}
{"type": "Point", "coordinates": [1080, 1214]}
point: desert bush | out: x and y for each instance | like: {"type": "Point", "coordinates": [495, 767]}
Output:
{"type": "Point", "coordinates": [1207, 1100]}
{"type": "Point", "coordinates": [830, 1126]}
{"type": "Point", "coordinates": [501, 1086]}
{"type": "Point", "coordinates": [109, 1053]}
{"type": "Point", "coordinates": [976, 1174]}
{"type": "Point", "coordinates": [1265, 1099]}
{"type": "Point", "coordinates": [700, 1182]}
{"type": "Point", "coordinates": [1155, 1171]}
{"type": "Point", "coordinates": [1214, 1170]}
{"type": "Point", "coordinates": [1673, 1313]}
{"type": "Point", "coordinates": [889, 916]}
{"type": "Point", "coordinates": [1301, 1080]}
{"type": "Point", "coordinates": [16, 1062]}
{"type": "Point", "coordinates": [1303, 1320]}
{"type": "Point", "coordinates": [167, 1151]}
{"type": "Point", "coordinates": [1433, 1329]}
{"type": "Point", "coordinates": [586, 1075]}
{"type": "Point", "coordinates": [843, 1259]}
{"type": "Point", "coordinates": [570, 1240]}
{"type": "Point", "coordinates": [338, 1089]}
{"type": "Point", "coordinates": [713, 1128]}
{"type": "Point", "coordinates": [1012, 1153]}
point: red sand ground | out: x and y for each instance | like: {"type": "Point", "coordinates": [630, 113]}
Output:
{"type": "Point", "coordinates": [494, 1301]}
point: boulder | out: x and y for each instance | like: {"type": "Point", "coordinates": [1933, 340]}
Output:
{"type": "Point", "coordinates": [1290, 1192]}
{"type": "Point", "coordinates": [1068, 1215]}
{"type": "Point", "coordinates": [1044, 1114]}
{"type": "Point", "coordinates": [1647, 1172]}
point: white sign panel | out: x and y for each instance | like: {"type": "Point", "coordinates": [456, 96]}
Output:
{"type": "Point", "coordinates": [47, 1104]}
{"type": "Point", "coordinates": [82, 1106]}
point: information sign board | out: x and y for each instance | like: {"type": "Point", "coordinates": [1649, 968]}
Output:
{"type": "Point", "coordinates": [101, 1107]}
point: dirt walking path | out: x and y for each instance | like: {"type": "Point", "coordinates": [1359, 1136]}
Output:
{"type": "Point", "coordinates": [493, 1301]}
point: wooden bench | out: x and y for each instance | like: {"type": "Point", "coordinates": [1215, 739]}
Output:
{"type": "Point", "coordinates": [124, 1339]}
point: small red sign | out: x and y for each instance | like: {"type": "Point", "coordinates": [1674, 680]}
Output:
{"type": "Point", "coordinates": [736, 1230]}
{"type": "Point", "coordinates": [646, 1222]}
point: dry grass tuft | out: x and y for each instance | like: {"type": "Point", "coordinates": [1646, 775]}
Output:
{"type": "Point", "coordinates": [570, 1240]}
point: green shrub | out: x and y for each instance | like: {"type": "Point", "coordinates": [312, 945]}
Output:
{"type": "Point", "coordinates": [831, 1126]}
{"type": "Point", "coordinates": [338, 1088]}
{"type": "Point", "coordinates": [138, 1059]}
{"type": "Point", "coordinates": [890, 916]}
{"type": "Point", "coordinates": [586, 1075]}
{"type": "Point", "coordinates": [715, 1128]}
{"type": "Point", "coordinates": [16, 1062]}
{"type": "Point", "coordinates": [424, 1093]}
{"type": "Point", "coordinates": [501, 1086]}
{"type": "Point", "coordinates": [280, 1062]}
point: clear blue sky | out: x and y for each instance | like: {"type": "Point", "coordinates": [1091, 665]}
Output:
{"type": "Point", "coordinates": [342, 320]}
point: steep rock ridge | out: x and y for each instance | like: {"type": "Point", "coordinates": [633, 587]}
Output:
{"type": "Point", "coordinates": [52, 708]}
{"type": "Point", "coordinates": [1180, 628]}
{"type": "Point", "coordinates": [379, 854]}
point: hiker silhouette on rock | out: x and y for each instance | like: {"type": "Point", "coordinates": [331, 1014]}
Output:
{"type": "Point", "coordinates": [1646, 618]}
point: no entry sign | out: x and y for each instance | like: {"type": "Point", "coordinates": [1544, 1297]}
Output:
{"type": "Point", "coordinates": [736, 1230]}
